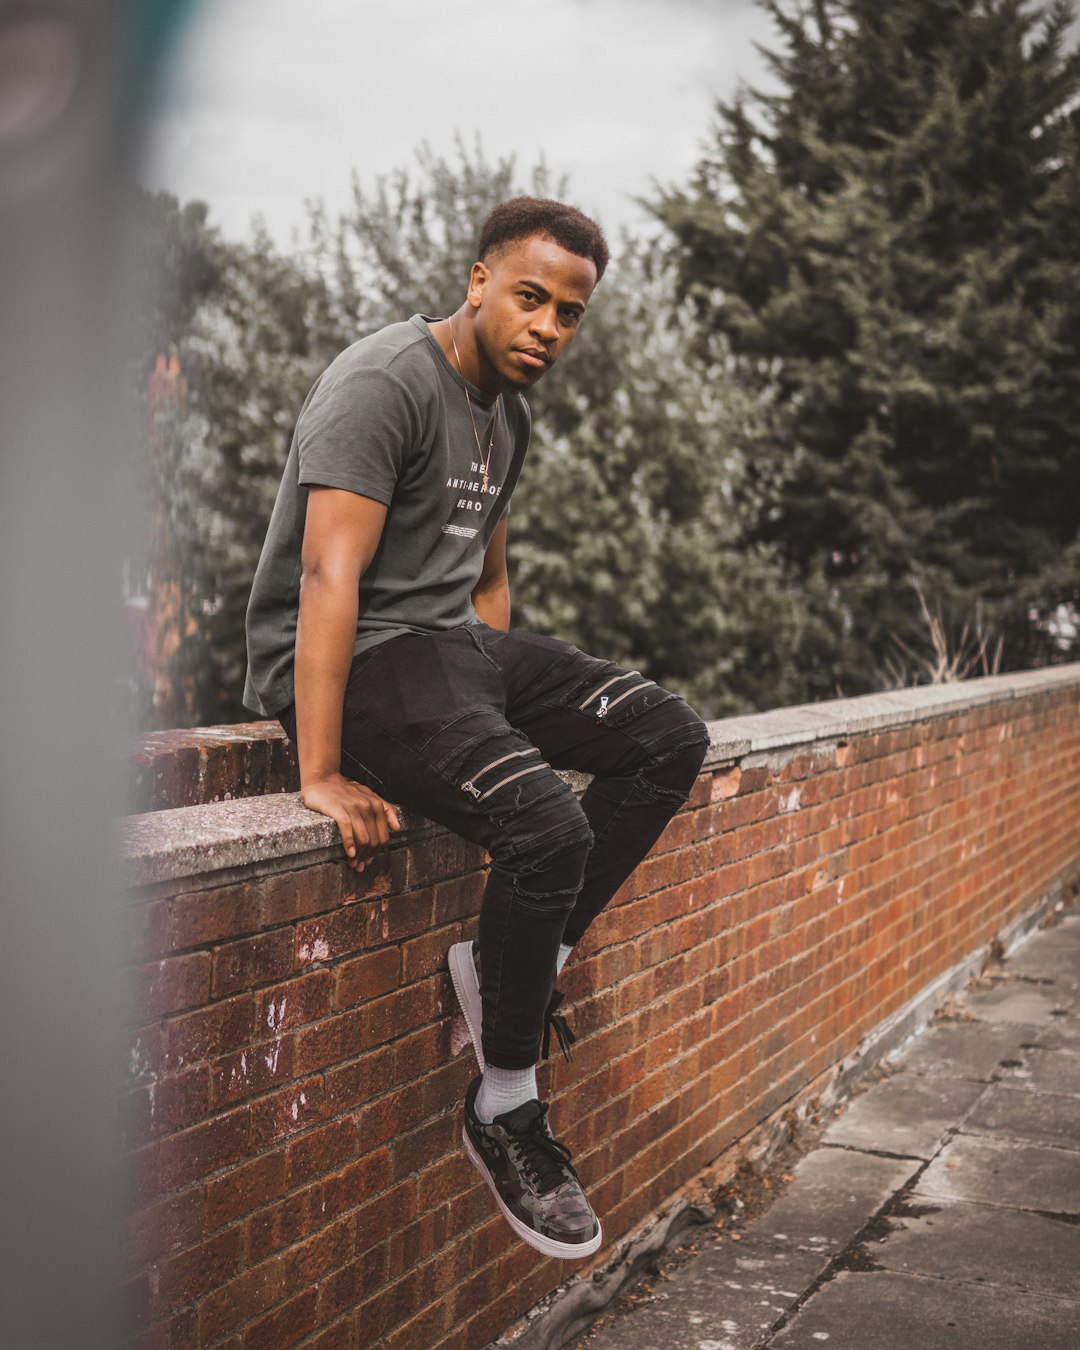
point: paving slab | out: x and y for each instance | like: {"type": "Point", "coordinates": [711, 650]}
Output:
{"type": "Point", "coordinates": [1049, 1071]}
{"type": "Point", "coordinates": [1036, 1117]}
{"type": "Point", "coordinates": [1011, 1001]}
{"type": "Point", "coordinates": [905, 1114]}
{"type": "Point", "coordinates": [731, 1293]}
{"type": "Point", "coordinates": [984, 1245]}
{"type": "Point", "coordinates": [974, 1050]}
{"type": "Point", "coordinates": [888, 1311]}
{"type": "Point", "coordinates": [1004, 1172]}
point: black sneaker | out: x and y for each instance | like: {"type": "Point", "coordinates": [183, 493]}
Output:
{"type": "Point", "coordinates": [531, 1179]}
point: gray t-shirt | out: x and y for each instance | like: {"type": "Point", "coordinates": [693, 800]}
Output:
{"type": "Point", "coordinates": [388, 419]}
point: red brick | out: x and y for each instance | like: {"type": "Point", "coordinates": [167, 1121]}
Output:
{"type": "Point", "coordinates": [286, 1325]}
{"type": "Point", "coordinates": [331, 936]}
{"type": "Point", "coordinates": [366, 977]}
{"type": "Point", "coordinates": [206, 1148]}
{"type": "Point", "coordinates": [312, 1260]}
{"type": "Point", "coordinates": [356, 1184]}
{"type": "Point", "coordinates": [321, 1150]}
{"type": "Point", "coordinates": [244, 1298]}
{"type": "Point", "coordinates": [168, 1104]}
{"type": "Point", "coordinates": [384, 1215]}
{"type": "Point", "coordinates": [209, 1032]}
{"type": "Point", "coordinates": [280, 1225]}
{"type": "Point", "coordinates": [426, 955]}
{"type": "Point", "coordinates": [249, 1072]}
{"type": "Point", "coordinates": [188, 1275]}
{"type": "Point", "coordinates": [295, 1003]}
{"type": "Point", "coordinates": [295, 895]}
{"type": "Point", "coordinates": [355, 1083]}
{"type": "Point", "coordinates": [293, 1109]}
{"type": "Point", "coordinates": [244, 1188]}
{"type": "Point", "coordinates": [171, 1223]}
{"type": "Point", "coordinates": [341, 1336]}
{"type": "Point", "coordinates": [459, 898]}
{"type": "Point", "coordinates": [264, 959]}
{"type": "Point", "coordinates": [172, 984]}
{"type": "Point", "coordinates": [345, 1288]}
{"type": "Point", "coordinates": [202, 917]}
{"type": "Point", "coordinates": [398, 917]}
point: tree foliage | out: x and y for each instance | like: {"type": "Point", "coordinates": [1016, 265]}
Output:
{"type": "Point", "coordinates": [889, 241]}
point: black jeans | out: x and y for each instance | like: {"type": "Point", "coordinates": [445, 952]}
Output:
{"type": "Point", "coordinates": [467, 727]}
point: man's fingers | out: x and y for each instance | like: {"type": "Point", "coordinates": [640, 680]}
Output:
{"type": "Point", "coordinates": [345, 829]}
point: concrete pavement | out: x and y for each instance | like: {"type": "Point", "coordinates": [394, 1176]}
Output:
{"type": "Point", "coordinates": [939, 1211]}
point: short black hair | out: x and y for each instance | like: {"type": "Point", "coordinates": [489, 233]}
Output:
{"type": "Point", "coordinates": [521, 217]}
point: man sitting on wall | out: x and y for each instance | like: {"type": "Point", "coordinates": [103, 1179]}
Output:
{"type": "Point", "coordinates": [379, 634]}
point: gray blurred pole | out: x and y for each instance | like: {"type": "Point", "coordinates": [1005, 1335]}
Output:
{"type": "Point", "coordinates": [60, 452]}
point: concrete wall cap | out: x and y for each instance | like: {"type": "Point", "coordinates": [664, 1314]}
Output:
{"type": "Point", "coordinates": [194, 840]}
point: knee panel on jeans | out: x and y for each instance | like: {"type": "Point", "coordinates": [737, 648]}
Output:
{"type": "Point", "coordinates": [540, 834]}
{"type": "Point", "coordinates": [678, 750]}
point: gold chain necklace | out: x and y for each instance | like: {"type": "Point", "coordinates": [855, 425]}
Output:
{"type": "Point", "coordinates": [484, 463]}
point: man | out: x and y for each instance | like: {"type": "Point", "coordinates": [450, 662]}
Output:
{"type": "Point", "coordinates": [378, 632]}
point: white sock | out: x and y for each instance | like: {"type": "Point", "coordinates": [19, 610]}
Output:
{"type": "Point", "coordinates": [501, 1090]}
{"type": "Point", "coordinates": [564, 952]}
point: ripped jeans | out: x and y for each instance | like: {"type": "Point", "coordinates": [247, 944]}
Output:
{"type": "Point", "coordinates": [467, 727]}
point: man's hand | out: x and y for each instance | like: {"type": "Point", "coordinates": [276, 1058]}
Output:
{"type": "Point", "coordinates": [362, 817]}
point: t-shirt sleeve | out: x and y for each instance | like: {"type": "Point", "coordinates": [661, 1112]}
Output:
{"type": "Point", "coordinates": [356, 433]}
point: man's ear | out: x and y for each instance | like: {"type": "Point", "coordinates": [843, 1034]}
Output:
{"type": "Point", "coordinates": [478, 279]}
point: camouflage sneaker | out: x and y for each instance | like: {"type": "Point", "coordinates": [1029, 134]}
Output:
{"type": "Point", "coordinates": [531, 1178]}
{"type": "Point", "coordinates": [463, 959]}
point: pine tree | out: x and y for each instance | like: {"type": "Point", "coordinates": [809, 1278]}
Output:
{"type": "Point", "coordinates": [891, 239]}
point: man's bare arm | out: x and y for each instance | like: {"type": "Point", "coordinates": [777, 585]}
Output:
{"type": "Point", "coordinates": [341, 533]}
{"type": "Point", "coordinates": [491, 596]}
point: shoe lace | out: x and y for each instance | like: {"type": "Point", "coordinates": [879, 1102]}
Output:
{"type": "Point", "coordinates": [544, 1160]}
{"type": "Point", "coordinates": [556, 1021]}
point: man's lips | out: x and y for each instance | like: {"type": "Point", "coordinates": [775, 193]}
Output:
{"type": "Point", "coordinates": [534, 356]}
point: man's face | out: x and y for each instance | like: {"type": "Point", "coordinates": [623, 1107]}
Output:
{"type": "Point", "coordinates": [529, 298]}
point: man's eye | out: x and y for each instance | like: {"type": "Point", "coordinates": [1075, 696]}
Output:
{"type": "Point", "coordinates": [570, 316]}
{"type": "Point", "coordinates": [530, 296]}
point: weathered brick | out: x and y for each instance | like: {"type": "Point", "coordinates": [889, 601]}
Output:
{"type": "Point", "coordinates": [251, 1071]}
{"type": "Point", "coordinates": [172, 984]}
{"type": "Point", "coordinates": [190, 1274]}
{"type": "Point", "coordinates": [286, 1325]}
{"type": "Point", "coordinates": [321, 1150]}
{"type": "Point", "coordinates": [174, 1222]}
{"type": "Point", "coordinates": [206, 1148]}
{"type": "Point", "coordinates": [253, 961]}
{"type": "Point", "coordinates": [289, 1111]}
{"type": "Point", "coordinates": [366, 977]}
{"type": "Point", "coordinates": [245, 1188]}
{"type": "Point", "coordinates": [241, 1300]}
{"type": "Point", "coordinates": [312, 1260]}
{"type": "Point", "coordinates": [169, 1103]}
{"type": "Point", "coordinates": [296, 895]}
{"type": "Point", "coordinates": [209, 1031]}
{"type": "Point", "coordinates": [202, 917]}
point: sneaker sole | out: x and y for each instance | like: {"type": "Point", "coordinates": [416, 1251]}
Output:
{"type": "Point", "coordinates": [565, 1251]}
{"type": "Point", "coordinates": [463, 978]}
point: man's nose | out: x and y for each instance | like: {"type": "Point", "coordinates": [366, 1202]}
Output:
{"type": "Point", "coordinates": [544, 324]}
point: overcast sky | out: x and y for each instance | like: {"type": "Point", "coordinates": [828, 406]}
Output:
{"type": "Point", "coordinates": [270, 102]}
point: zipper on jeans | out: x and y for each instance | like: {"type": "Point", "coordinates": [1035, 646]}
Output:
{"type": "Point", "coordinates": [470, 785]}
{"type": "Point", "coordinates": [606, 685]}
{"type": "Point", "coordinates": [606, 707]}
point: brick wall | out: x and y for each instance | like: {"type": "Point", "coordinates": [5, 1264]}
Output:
{"type": "Point", "coordinates": [291, 1100]}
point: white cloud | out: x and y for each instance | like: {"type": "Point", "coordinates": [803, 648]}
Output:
{"type": "Point", "coordinates": [270, 103]}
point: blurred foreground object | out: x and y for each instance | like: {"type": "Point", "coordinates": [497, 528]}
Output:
{"type": "Point", "coordinates": [64, 117]}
